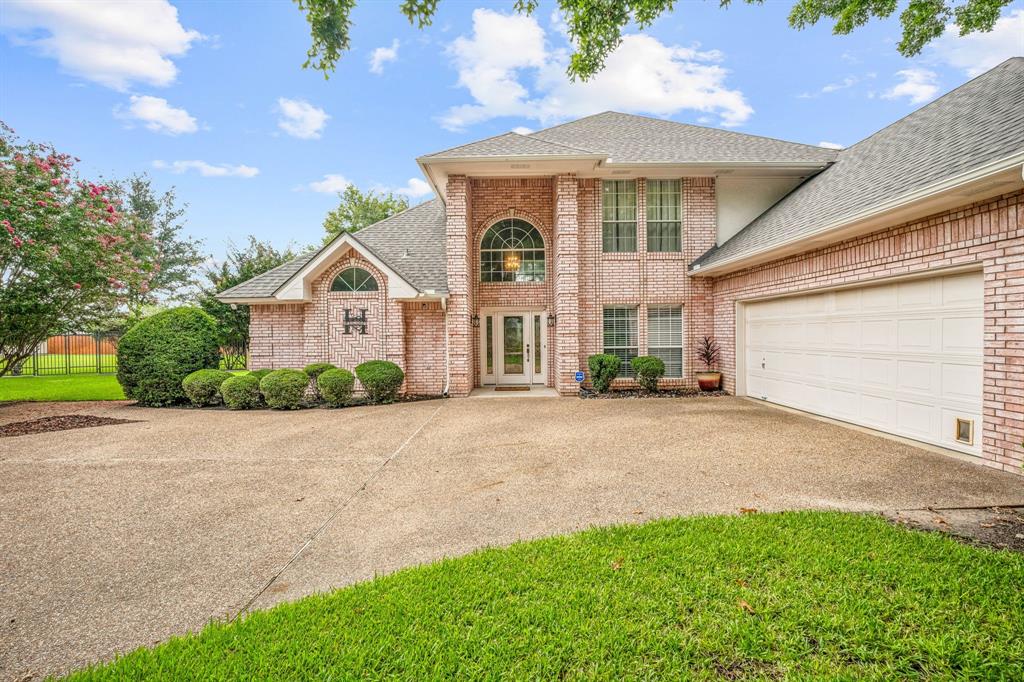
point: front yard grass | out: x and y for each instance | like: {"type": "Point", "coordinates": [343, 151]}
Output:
{"type": "Point", "coordinates": [811, 595]}
{"type": "Point", "coordinates": [61, 387]}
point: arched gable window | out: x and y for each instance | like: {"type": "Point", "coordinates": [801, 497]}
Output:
{"type": "Point", "coordinates": [512, 250]}
{"type": "Point", "coordinates": [354, 279]}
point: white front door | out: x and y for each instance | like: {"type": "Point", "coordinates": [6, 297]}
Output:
{"type": "Point", "coordinates": [512, 347]}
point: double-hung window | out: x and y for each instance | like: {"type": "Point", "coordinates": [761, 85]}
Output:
{"type": "Point", "coordinates": [664, 216]}
{"type": "Point", "coordinates": [620, 336]}
{"type": "Point", "coordinates": [665, 337]}
{"type": "Point", "coordinates": [618, 205]}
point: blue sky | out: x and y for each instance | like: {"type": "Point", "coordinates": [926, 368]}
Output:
{"type": "Point", "coordinates": [211, 97]}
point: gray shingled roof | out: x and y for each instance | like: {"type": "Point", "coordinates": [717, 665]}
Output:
{"type": "Point", "coordinates": [507, 144]}
{"type": "Point", "coordinates": [980, 122]}
{"type": "Point", "coordinates": [627, 138]}
{"type": "Point", "coordinates": [411, 243]}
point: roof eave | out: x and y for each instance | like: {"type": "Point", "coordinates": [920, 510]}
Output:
{"type": "Point", "coordinates": [1012, 167]}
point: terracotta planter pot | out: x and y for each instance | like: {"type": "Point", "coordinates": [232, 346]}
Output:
{"type": "Point", "coordinates": [709, 381]}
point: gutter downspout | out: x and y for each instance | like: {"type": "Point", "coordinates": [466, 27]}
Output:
{"type": "Point", "coordinates": [447, 363]}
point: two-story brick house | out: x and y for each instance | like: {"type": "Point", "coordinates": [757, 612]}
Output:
{"type": "Point", "coordinates": [882, 284]}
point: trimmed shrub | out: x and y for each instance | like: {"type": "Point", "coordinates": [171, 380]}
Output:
{"type": "Point", "coordinates": [283, 389]}
{"type": "Point", "coordinates": [260, 373]}
{"type": "Point", "coordinates": [604, 367]}
{"type": "Point", "coordinates": [335, 385]}
{"type": "Point", "coordinates": [155, 355]}
{"type": "Point", "coordinates": [203, 386]}
{"type": "Point", "coordinates": [313, 371]}
{"type": "Point", "coordinates": [648, 370]}
{"type": "Point", "coordinates": [242, 392]}
{"type": "Point", "coordinates": [381, 380]}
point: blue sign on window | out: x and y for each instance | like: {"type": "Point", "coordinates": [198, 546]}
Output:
{"type": "Point", "coordinates": [579, 377]}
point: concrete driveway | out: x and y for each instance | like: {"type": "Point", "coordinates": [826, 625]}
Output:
{"type": "Point", "coordinates": [120, 536]}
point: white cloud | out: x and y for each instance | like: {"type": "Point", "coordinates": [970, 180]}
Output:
{"type": "Point", "coordinates": [918, 85]}
{"type": "Point", "coordinates": [831, 145]}
{"type": "Point", "coordinates": [522, 130]}
{"type": "Point", "coordinates": [158, 115]}
{"type": "Point", "coordinates": [331, 184]}
{"type": "Point", "coordinates": [509, 70]}
{"type": "Point", "coordinates": [108, 42]}
{"type": "Point", "coordinates": [301, 119]}
{"type": "Point", "coordinates": [382, 55]}
{"type": "Point", "coordinates": [207, 170]}
{"type": "Point", "coordinates": [415, 188]}
{"type": "Point", "coordinates": [978, 52]}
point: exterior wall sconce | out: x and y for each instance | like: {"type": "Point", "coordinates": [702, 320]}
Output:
{"type": "Point", "coordinates": [551, 320]}
{"type": "Point", "coordinates": [476, 321]}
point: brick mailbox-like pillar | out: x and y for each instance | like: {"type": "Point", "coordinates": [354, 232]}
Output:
{"type": "Point", "coordinates": [567, 284]}
{"type": "Point", "coordinates": [458, 318]}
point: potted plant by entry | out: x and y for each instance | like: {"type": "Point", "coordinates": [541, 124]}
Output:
{"type": "Point", "coordinates": [710, 379]}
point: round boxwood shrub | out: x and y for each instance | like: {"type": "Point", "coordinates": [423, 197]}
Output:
{"type": "Point", "coordinates": [203, 386]}
{"type": "Point", "coordinates": [604, 367]}
{"type": "Point", "coordinates": [260, 373]}
{"type": "Point", "coordinates": [648, 370]}
{"type": "Point", "coordinates": [313, 371]}
{"type": "Point", "coordinates": [381, 380]}
{"type": "Point", "coordinates": [335, 385]}
{"type": "Point", "coordinates": [242, 392]}
{"type": "Point", "coordinates": [155, 355]}
{"type": "Point", "coordinates": [283, 389]}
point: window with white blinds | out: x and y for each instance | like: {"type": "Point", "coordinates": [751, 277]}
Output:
{"type": "Point", "coordinates": [665, 337]}
{"type": "Point", "coordinates": [620, 336]}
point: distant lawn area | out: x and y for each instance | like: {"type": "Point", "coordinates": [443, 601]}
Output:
{"type": "Point", "coordinates": [805, 595]}
{"type": "Point", "coordinates": [61, 387]}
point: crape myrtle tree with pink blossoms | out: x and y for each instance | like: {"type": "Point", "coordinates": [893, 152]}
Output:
{"type": "Point", "coordinates": [67, 252]}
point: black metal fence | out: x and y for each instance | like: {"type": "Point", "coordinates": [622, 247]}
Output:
{"type": "Point", "coordinates": [73, 354]}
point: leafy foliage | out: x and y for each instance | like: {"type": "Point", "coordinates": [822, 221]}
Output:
{"type": "Point", "coordinates": [67, 253]}
{"type": "Point", "coordinates": [242, 392]}
{"type": "Point", "coordinates": [260, 373]}
{"type": "Point", "coordinates": [648, 370]}
{"type": "Point", "coordinates": [381, 380]}
{"type": "Point", "coordinates": [708, 352]}
{"type": "Point", "coordinates": [155, 355]}
{"type": "Point", "coordinates": [604, 367]}
{"type": "Point", "coordinates": [313, 371]}
{"type": "Point", "coordinates": [335, 385]}
{"type": "Point", "coordinates": [239, 265]}
{"type": "Point", "coordinates": [360, 209]}
{"type": "Point", "coordinates": [284, 389]}
{"type": "Point", "coordinates": [595, 26]}
{"type": "Point", "coordinates": [202, 387]}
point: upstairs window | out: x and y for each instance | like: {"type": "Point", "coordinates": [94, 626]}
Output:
{"type": "Point", "coordinates": [354, 279]}
{"type": "Point", "coordinates": [664, 216]}
{"type": "Point", "coordinates": [512, 250]}
{"type": "Point", "coordinates": [618, 206]}
{"type": "Point", "coordinates": [620, 336]}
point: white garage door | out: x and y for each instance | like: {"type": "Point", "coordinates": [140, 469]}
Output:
{"type": "Point", "coordinates": [903, 357]}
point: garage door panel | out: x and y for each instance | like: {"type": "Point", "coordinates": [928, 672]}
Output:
{"type": "Point", "coordinates": [903, 357]}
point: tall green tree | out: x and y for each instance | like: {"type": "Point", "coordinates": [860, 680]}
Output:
{"type": "Point", "coordinates": [359, 209]}
{"type": "Point", "coordinates": [595, 26]}
{"type": "Point", "coordinates": [241, 263]}
{"type": "Point", "coordinates": [67, 251]}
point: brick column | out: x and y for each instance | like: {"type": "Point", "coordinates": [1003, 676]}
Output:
{"type": "Point", "coordinates": [700, 228]}
{"type": "Point", "coordinates": [567, 284]}
{"type": "Point", "coordinates": [458, 320]}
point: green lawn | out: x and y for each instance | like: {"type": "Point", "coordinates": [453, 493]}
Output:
{"type": "Point", "coordinates": [58, 363]}
{"type": "Point", "coordinates": [61, 387]}
{"type": "Point", "coordinates": [807, 595]}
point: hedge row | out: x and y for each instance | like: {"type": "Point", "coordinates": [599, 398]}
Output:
{"type": "Point", "coordinates": [604, 368]}
{"type": "Point", "coordinates": [287, 389]}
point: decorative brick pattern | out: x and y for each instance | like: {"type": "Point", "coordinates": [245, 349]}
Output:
{"type": "Point", "coordinates": [989, 234]}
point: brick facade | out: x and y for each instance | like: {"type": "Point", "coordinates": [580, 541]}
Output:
{"type": "Point", "coordinates": [988, 234]}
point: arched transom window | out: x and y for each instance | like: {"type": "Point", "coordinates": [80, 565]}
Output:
{"type": "Point", "coordinates": [354, 279]}
{"type": "Point", "coordinates": [512, 250]}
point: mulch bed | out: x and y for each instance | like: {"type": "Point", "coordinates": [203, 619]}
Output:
{"type": "Point", "coordinates": [61, 423]}
{"type": "Point", "coordinates": [589, 394]}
